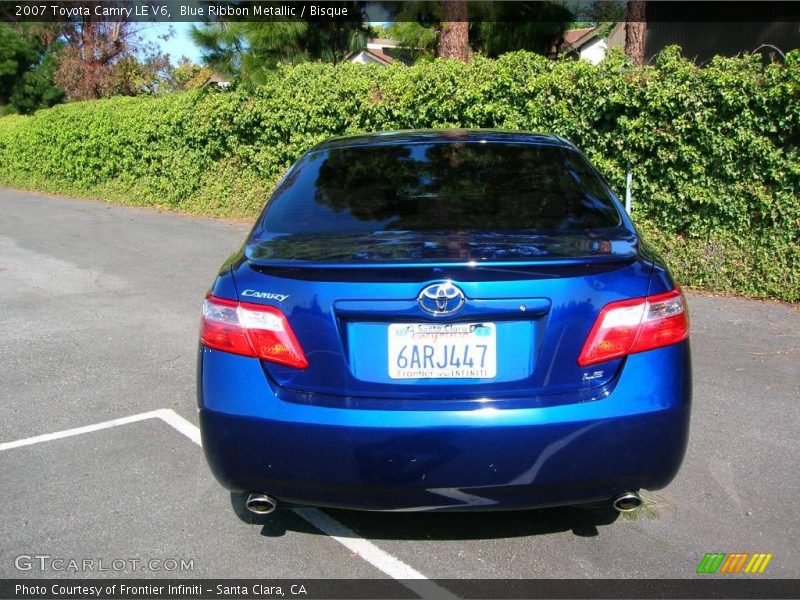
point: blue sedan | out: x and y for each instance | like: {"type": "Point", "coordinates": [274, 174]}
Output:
{"type": "Point", "coordinates": [444, 320]}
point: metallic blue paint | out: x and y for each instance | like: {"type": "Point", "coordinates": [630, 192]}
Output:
{"type": "Point", "coordinates": [341, 433]}
{"type": "Point", "coordinates": [632, 436]}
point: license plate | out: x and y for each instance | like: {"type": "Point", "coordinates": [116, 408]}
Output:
{"type": "Point", "coordinates": [442, 351]}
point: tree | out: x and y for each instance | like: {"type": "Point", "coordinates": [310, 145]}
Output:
{"type": "Point", "coordinates": [495, 28]}
{"type": "Point", "coordinates": [27, 63]}
{"type": "Point", "coordinates": [186, 75]}
{"type": "Point", "coordinates": [454, 35]}
{"type": "Point", "coordinates": [250, 50]}
{"type": "Point", "coordinates": [506, 27]}
{"type": "Point", "coordinates": [603, 11]}
{"type": "Point", "coordinates": [589, 14]}
{"type": "Point", "coordinates": [107, 58]}
{"type": "Point", "coordinates": [635, 28]}
{"type": "Point", "coordinates": [418, 39]}
{"type": "Point", "coordinates": [132, 76]}
{"type": "Point", "coordinates": [378, 31]}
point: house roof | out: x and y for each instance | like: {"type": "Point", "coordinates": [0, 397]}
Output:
{"type": "Point", "coordinates": [380, 55]}
{"type": "Point", "coordinates": [376, 55]}
{"type": "Point", "coordinates": [576, 38]}
{"type": "Point", "coordinates": [207, 78]}
{"type": "Point", "coordinates": [218, 78]}
{"type": "Point", "coordinates": [571, 36]}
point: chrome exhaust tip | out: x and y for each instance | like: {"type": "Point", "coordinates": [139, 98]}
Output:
{"type": "Point", "coordinates": [627, 501]}
{"type": "Point", "coordinates": [261, 504]}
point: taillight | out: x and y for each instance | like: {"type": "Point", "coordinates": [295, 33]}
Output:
{"type": "Point", "coordinates": [250, 330]}
{"type": "Point", "coordinates": [636, 325]}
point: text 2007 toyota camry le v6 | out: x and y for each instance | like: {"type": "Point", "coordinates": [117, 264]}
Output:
{"type": "Point", "coordinates": [444, 320]}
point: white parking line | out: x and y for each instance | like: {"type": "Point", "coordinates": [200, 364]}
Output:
{"type": "Point", "coordinates": [58, 435]}
{"type": "Point", "coordinates": [177, 422]}
{"type": "Point", "coordinates": [381, 560]}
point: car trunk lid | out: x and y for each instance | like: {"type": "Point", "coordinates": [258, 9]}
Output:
{"type": "Point", "coordinates": [535, 296]}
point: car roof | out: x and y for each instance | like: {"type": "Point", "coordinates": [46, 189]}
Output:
{"type": "Point", "coordinates": [434, 136]}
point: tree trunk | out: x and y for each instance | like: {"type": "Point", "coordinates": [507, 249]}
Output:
{"type": "Point", "coordinates": [454, 37]}
{"type": "Point", "coordinates": [635, 27]}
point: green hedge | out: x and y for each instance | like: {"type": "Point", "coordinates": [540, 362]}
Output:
{"type": "Point", "coordinates": [714, 149]}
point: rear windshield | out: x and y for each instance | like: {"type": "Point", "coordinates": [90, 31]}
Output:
{"type": "Point", "coordinates": [469, 187]}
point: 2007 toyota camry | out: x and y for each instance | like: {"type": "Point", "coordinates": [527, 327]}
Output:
{"type": "Point", "coordinates": [444, 320]}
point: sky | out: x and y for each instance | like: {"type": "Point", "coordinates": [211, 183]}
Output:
{"type": "Point", "coordinates": [178, 45]}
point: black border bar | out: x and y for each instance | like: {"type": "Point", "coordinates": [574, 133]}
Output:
{"type": "Point", "coordinates": [375, 10]}
{"type": "Point", "coordinates": [742, 586]}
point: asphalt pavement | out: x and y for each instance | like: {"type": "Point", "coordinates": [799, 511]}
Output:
{"type": "Point", "coordinates": [99, 313]}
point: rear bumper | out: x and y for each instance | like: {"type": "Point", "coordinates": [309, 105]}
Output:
{"type": "Point", "coordinates": [446, 460]}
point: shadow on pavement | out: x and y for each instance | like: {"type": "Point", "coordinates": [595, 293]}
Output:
{"type": "Point", "coordinates": [582, 521]}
